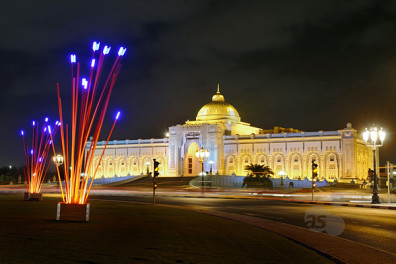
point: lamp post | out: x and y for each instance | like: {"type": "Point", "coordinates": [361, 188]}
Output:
{"type": "Point", "coordinates": [211, 164]}
{"type": "Point", "coordinates": [58, 160]}
{"type": "Point", "coordinates": [371, 140]}
{"type": "Point", "coordinates": [282, 174]}
{"type": "Point", "coordinates": [202, 156]}
{"type": "Point", "coordinates": [148, 164]}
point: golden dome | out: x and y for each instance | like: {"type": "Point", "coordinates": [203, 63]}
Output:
{"type": "Point", "coordinates": [218, 110]}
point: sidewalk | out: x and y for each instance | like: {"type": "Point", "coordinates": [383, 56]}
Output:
{"type": "Point", "coordinates": [338, 249]}
{"type": "Point", "coordinates": [389, 206]}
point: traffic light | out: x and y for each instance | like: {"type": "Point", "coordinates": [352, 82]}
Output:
{"type": "Point", "coordinates": [156, 168]}
{"type": "Point", "coordinates": [155, 185]}
{"type": "Point", "coordinates": [314, 169]}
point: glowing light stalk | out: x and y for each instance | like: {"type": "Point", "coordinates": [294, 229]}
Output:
{"type": "Point", "coordinates": [95, 46]}
{"type": "Point", "coordinates": [73, 58]}
{"type": "Point", "coordinates": [84, 83]}
{"type": "Point", "coordinates": [106, 50]}
{"type": "Point", "coordinates": [121, 51]}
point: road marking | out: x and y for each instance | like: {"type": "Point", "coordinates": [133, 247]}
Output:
{"type": "Point", "coordinates": [274, 217]}
{"type": "Point", "coordinates": [355, 222]}
{"type": "Point", "coordinates": [251, 214]}
{"type": "Point", "coordinates": [376, 225]}
{"type": "Point", "coordinates": [264, 216]}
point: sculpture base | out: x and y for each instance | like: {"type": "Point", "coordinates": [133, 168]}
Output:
{"type": "Point", "coordinates": [72, 212]}
{"type": "Point", "coordinates": [32, 196]}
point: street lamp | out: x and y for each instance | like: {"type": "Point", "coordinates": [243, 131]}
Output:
{"type": "Point", "coordinates": [211, 164]}
{"type": "Point", "coordinates": [58, 160]}
{"type": "Point", "coordinates": [282, 174]}
{"type": "Point", "coordinates": [148, 164]}
{"type": "Point", "coordinates": [371, 140]}
{"type": "Point", "coordinates": [202, 156]}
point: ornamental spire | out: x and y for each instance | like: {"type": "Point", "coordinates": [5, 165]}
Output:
{"type": "Point", "coordinates": [218, 96]}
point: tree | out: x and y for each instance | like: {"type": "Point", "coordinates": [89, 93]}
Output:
{"type": "Point", "coordinates": [259, 177]}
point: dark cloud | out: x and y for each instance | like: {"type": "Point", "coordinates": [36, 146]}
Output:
{"type": "Point", "coordinates": [312, 65]}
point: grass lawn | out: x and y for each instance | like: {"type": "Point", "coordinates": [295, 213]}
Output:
{"type": "Point", "coordinates": [129, 233]}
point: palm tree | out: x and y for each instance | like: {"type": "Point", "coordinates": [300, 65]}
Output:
{"type": "Point", "coordinates": [259, 170]}
{"type": "Point", "coordinates": [259, 177]}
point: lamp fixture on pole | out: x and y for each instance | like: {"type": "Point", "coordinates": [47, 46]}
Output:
{"type": "Point", "coordinates": [374, 138]}
{"type": "Point", "coordinates": [211, 164]}
{"type": "Point", "coordinates": [148, 165]}
{"type": "Point", "coordinates": [58, 160]}
{"type": "Point", "coordinates": [202, 156]}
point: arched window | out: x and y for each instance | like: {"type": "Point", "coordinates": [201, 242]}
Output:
{"type": "Point", "coordinates": [110, 168]}
{"type": "Point", "coordinates": [332, 167]}
{"type": "Point", "coordinates": [122, 168]}
{"type": "Point", "coordinates": [230, 167]}
{"type": "Point", "coordinates": [99, 172]}
{"type": "Point", "coordinates": [296, 166]}
{"type": "Point", "coordinates": [134, 168]}
{"type": "Point", "coordinates": [246, 161]}
{"type": "Point", "coordinates": [278, 164]}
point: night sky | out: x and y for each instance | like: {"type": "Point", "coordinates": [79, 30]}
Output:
{"type": "Point", "coordinates": [311, 65]}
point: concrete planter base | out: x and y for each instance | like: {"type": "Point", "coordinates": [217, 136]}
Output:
{"type": "Point", "coordinates": [32, 196]}
{"type": "Point", "coordinates": [72, 212]}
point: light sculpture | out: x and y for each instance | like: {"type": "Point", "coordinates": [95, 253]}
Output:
{"type": "Point", "coordinates": [88, 110]}
{"type": "Point", "coordinates": [36, 156]}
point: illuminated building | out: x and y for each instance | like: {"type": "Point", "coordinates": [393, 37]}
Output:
{"type": "Point", "coordinates": [233, 144]}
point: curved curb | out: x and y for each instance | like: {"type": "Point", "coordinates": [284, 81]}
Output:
{"type": "Point", "coordinates": [350, 205]}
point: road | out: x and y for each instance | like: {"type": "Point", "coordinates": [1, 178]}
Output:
{"type": "Point", "coordinates": [372, 227]}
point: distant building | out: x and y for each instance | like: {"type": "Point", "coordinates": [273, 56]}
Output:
{"type": "Point", "coordinates": [233, 144]}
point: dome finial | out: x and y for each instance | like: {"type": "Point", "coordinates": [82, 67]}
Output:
{"type": "Point", "coordinates": [218, 96]}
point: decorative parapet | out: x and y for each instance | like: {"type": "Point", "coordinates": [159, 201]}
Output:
{"type": "Point", "coordinates": [187, 125]}
{"type": "Point", "coordinates": [231, 137]}
{"type": "Point", "coordinates": [131, 142]}
{"type": "Point", "coordinates": [285, 135]}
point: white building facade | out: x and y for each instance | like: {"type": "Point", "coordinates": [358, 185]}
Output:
{"type": "Point", "coordinates": [233, 144]}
